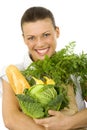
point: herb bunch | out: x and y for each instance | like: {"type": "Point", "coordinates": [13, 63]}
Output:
{"type": "Point", "coordinates": [60, 67]}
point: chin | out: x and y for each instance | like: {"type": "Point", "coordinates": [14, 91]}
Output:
{"type": "Point", "coordinates": [41, 57]}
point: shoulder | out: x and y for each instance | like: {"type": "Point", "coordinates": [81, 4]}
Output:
{"type": "Point", "coordinates": [21, 66]}
{"type": "Point", "coordinates": [27, 60]}
{"type": "Point", "coordinates": [2, 71]}
{"type": "Point", "coordinates": [25, 63]}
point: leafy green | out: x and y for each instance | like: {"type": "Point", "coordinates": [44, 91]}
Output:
{"type": "Point", "coordinates": [43, 93]}
{"type": "Point", "coordinates": [55, 104]}
{"type": "Point", "coordinates": [64, 67]}
{"type": "Point", "coordinates": [30, 107]}
{"type": "Point", "coordinates": [60, 67]}
{"type": "Point", "coordinates": [36, 101]}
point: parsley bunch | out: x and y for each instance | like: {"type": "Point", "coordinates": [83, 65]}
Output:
{"type": "Point", "coordinates": [60, 67]}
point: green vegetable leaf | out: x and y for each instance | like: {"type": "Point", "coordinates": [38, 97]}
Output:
{"type": "Point", "coordinates": [60, 67]}
{"type": "Point", "coordinates": [30, 107]}
{"type": "Point", "coordinates": [43, 93]}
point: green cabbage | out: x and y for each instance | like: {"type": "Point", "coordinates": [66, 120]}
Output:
{"type": "Point", "coordinates": [43, 93]}
{"type": "Point", "coordinates": [30, 107]}
{"type": "Point", "coordinates": [36, 101]}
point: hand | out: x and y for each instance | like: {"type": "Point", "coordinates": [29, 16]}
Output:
{"type": "Point", "coordinates": [57, 121]}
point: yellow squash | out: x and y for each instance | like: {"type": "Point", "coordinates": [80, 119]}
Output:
{"type": "Point", "coordinates": [38, 81]}
{"type": "Point", "coordinates": [16, 79]}
{"type": "Point", "coordinates": [49, 80]}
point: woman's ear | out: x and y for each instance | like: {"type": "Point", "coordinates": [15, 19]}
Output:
{"type": "Point", "coordinates": [23, 38]}
{"type": "Point", "coordinates": [23, 35]}
{"type": "Point", "coordinates": [57, 31]}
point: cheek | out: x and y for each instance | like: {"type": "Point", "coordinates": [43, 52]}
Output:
{"type": "Point", "coordinates": [53, 41]}
{"type": "Point", "coordinates": [30, 46]}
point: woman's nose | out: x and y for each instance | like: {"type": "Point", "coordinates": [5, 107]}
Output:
{"type": "Point", "coordinates": [39, 41]}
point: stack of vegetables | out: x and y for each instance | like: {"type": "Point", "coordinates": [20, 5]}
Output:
{"type": "Point", "coordinates": [45, 84]}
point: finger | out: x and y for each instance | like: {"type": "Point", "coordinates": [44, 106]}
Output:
{"type": "Point", "coordinates": [53, 113]}
{"type": "Point", "coordinates": [36, 120]}
{"type": "Point", "coordinates": [46, 127]}
{"type": "Point", "coordinates": [41, 121]}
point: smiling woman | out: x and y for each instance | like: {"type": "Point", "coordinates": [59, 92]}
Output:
{"type": "Point", "coordinates": [70, 17]}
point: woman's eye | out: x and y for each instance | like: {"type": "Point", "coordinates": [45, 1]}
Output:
{"type": "Point", "coordinates": [46, 35]}
{"type": "Point", "coordinates": [31, 38]}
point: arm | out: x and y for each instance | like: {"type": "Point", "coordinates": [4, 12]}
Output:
{"type": "Point", "coordinates": [79, 119]}
{"type": "Point", "coordinates": [13, 118]}
{"type": "Point", "coordinates": [60, 121]}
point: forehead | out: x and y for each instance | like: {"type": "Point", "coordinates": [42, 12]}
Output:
{"type": "Point", "coordinates": [39, 25]}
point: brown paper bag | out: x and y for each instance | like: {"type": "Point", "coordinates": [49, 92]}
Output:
{"type": "Point", "coordinates": [72, 103]}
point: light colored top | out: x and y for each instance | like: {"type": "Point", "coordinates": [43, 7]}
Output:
{"type": "Point", "coordinates": [27, 61]}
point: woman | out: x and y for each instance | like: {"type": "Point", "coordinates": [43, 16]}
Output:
{"type": "Point", "coordinates": [40, 35]}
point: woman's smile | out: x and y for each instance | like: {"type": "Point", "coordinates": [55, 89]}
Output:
{"type": "Point", "coordinates": [43, 51]}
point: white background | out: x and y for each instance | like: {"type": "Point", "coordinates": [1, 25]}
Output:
{"type": "Point", "coordinates": [70, 15]}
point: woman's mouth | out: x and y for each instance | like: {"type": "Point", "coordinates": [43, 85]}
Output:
{"type": "Point", "coordinates": [42, 52]}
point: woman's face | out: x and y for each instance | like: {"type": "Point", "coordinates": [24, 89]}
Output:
{"type": "Point", "coordinates": [40, 38]}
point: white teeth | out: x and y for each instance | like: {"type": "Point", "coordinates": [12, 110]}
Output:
{"type": "Point", "coordinates": [42, 51]}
